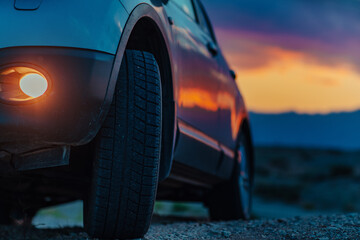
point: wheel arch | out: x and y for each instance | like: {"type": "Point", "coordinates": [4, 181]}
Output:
{"type": "Point", "coordinates": [146, 31]}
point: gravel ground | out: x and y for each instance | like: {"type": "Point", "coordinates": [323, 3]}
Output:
{"type": "Point", "coordinates": [320, 227]}
{"type": "Point", "coordinates": [289, 182]}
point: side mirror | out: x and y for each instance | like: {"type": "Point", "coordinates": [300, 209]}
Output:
{"type": "Point", "coordinates": [233, 74]}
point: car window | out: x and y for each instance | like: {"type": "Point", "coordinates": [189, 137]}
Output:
{"type": "Point", "coordinates": [204, 21]}
{"type": "Point", "coordinates": [187, 7]}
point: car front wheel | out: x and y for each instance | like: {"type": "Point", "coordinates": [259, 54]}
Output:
{"type": "Point", "coordinates": [127, 154]}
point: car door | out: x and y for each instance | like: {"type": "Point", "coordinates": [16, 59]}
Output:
{"type": "Point", "coordinates": [230, 102]}
{"type": "Point", "coordinates": [197, 88]}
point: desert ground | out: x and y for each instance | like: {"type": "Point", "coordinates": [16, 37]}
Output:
{"type": "Point", "coordinates": [299, 194]}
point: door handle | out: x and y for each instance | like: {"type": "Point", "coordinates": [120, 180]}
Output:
{"type": "Point", "coordinates": [212, 48]}
{"type": "Point", "coordinates": [171, 21]}
{"type": "Point", "coordinates": [233, 74]}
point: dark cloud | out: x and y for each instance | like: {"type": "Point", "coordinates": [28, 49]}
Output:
{"type": "Point", "coordinates": [331, 21]}
{"type": "Point", "coordinates": [329, 30]}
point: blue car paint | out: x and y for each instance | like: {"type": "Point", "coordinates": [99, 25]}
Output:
{"type": "Point", "coordinates": [64, 23]}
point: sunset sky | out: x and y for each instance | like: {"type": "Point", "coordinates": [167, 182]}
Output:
{"type": "Point", "coordinates": [298, 55]}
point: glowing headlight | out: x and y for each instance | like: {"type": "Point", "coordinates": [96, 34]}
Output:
{"type": "Point", "coordinates": [20, 84]}
{"type": "Point", "coordinates": [33, 85]}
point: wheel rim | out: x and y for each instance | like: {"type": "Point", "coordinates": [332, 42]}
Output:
{"type": "Point", "coordinates": [244, 181]}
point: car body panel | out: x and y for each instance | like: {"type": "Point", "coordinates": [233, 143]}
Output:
{"type": "Point", "coordinates": [64, 23]}
{"type": "Point", "coordinates": [209, 109]}
{"type": "Point", "coordinates": [232, 109]}
{"type": "Point", "coordinates": [197, 84]}
{"type": "Point", "coordinates": [70, 113]}
{"type": "Point", "coordinates": [197, 150]}
{"type": "Point", "coordinates": [208, 99]}
{"type": "Point", "coordinates": [27, 4]}
{"type": "Point", "coordinates": [196, 91]}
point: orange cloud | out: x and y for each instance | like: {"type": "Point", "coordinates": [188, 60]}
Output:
{"type": "Point", "coordinates": [278, 79]}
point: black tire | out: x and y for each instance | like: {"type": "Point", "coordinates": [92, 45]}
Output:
{"type": "Point", "coordinates": [226, 201]}
{"type": "Point", "coordinates": [127, 154]}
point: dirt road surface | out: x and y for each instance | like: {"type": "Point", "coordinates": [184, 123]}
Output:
{"type": "Point", "coordinates": [315, 227]}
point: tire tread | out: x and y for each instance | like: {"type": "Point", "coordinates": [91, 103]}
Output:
{"type": "Point", "coordinates": [126, 166]}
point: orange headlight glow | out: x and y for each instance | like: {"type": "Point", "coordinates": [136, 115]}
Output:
{"type": "Point", "coordinates": [21, 84]}
{"type": "Point", "coordinates": [33, 85]}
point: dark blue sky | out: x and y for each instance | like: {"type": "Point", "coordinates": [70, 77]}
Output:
{"type": "Point", "coordinates": [335, 23]}
{"type": "Point", "coordinates": [328, 20]}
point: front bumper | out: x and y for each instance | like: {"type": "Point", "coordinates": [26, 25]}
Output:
{"type": "Point", "coordinates": [71, 113]}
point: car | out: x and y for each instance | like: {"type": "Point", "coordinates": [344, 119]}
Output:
{"type": "Point", "coordinates": [118, 103]}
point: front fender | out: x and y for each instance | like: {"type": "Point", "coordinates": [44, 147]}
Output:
{"type": "Point", "coordinates": [155, 14]}
{"type": "Point", "coordinates": [95, 25]}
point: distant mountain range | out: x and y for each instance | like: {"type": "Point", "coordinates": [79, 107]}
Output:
{"type": "Point", "coordinates": [336, 130]}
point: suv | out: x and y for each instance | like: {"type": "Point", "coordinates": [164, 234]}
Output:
{"type": "Point", "coordinates": [114, 102]}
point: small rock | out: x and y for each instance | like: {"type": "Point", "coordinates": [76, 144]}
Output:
{"type": "Point", "coordinates": [225, 234]}
{"type": "Point", "coordinates": [282, 220]}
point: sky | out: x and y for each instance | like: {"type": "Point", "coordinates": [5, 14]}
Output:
{"type": "Point", "coordinates": [298, 56]}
